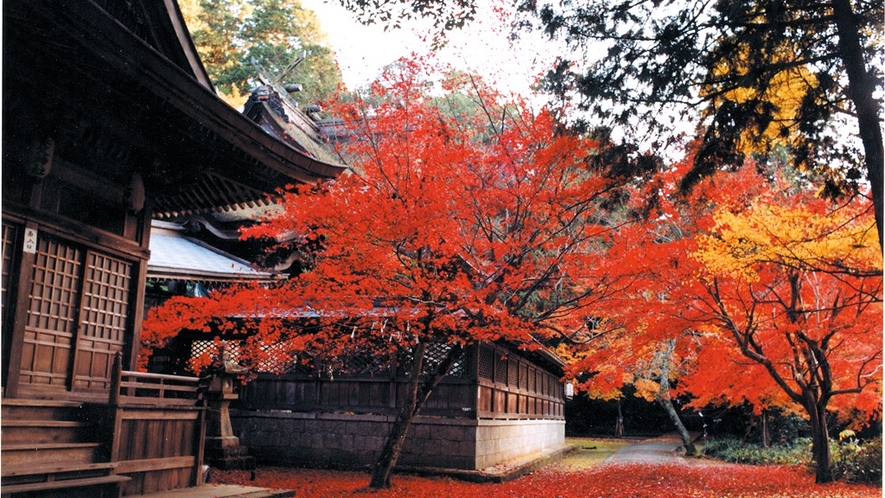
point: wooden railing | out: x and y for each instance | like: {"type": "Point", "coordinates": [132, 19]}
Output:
{"type": "Point", "coordinates": [159, 430]}
{"type": "Point", "coordinates": [155, 389]}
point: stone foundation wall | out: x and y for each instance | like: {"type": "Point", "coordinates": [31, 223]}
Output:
{"type": "Point", "coordinates": [353, 441]}
{"type": "Point", "coordinates": [500, 441]}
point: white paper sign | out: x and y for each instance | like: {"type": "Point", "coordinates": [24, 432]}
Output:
{"type": "Point", "coordinates": [30, 241]}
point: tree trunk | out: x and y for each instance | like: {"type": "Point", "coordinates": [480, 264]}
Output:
{"type": "Point", "coordinates": [416, 395]}
{"type": "Point", "coordinates": [687, 443]}
{"type": "Point", "coordinates": [861, 85]}
{"type": "Point", "coordinates": [766, 436]}
{"type": "Point", "coordinates": [396, 438]}
{"type": "Point", "coordinates": [663, 398]}
{"type": "Point", "coordinates": [820, 444]}
{"type": "Point", "coordinates": [749, 425]}
{"type": "Point", "coordinates": [619, 424]}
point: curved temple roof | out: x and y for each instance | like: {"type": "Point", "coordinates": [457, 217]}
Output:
{"type": "Point", "coordinates": [133, 90]}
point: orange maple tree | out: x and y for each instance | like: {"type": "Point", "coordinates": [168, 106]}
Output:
{"type": "Point", "coordinates": [760, 292]}
{"type": "Point", "coordinates": [793, 295]}
{"type": "Point", "coordinates": [463, 220]}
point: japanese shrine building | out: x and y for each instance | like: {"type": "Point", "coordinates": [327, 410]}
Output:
{"type": "Point", "coordinates": [109, 121]}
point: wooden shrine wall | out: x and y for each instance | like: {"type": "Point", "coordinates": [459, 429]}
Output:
{"type": "Point", "coordinates": [67, 309]}
{"type": "Point", "coordinates": [159, 431]}
{"type": "Point", "coordinates": [511, 386]}
{"type": "Point", "coordinates": [495, 383]}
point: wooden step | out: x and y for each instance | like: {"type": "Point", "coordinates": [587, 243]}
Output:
{"type": "Point", "coordinates": [52, 453]}
{"type": "Point", "coordinates": [59, 468]}
{"type": "Point", "coordinates": [39, 409]}
{"type": "Point", "coordinates": [65, 484]}
{"type": "Point", "coordinates": [42, 431]}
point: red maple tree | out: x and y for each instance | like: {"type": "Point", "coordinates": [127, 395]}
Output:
{"type": "Point", "coordinates": [464, 219]}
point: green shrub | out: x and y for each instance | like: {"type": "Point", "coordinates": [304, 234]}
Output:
{"type": "Point", "coordinates": [853, 460]}
{"type": "Point", "coordinates": [734, 450]}
{"type": "Point", "coordinates": [857, 461]}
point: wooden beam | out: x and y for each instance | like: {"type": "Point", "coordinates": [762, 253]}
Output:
{"type": "Point", "coordinates": [149, 464]}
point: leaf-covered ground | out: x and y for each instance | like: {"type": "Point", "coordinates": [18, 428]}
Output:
{"type": "Point", "coordinates": [696, 478]}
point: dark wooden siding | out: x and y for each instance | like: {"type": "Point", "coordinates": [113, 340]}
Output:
{"type": "Point", "coordinates": [512, 386]}
{"type": "Point", "coordinates": [498, 383]}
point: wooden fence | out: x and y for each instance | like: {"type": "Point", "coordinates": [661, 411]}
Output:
{"type": "Point", "coordinates": [159, 430]}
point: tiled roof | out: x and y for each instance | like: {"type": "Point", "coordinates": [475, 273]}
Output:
{"type": "Point", "coordinates": [173, 255]}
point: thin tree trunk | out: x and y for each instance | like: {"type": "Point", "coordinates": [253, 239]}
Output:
{"type": "Point", "coordinates": [766, 436]}
{"type": "Point", "coordinates": [396, 438]}
{"type": "Point", "coordinates": [663, 398]}
{"type": "Point", "coordinates": [619, 424]}
{"type": "Point", "coordinates": [749, 425]}
{"type": "Point", "coordinates": [417, 394]}
{"type": "Point", "coordinates": [861, 85]}
{"type": "Point", "coordinates": [687, 443]}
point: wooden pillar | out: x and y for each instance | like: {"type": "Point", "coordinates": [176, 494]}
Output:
{"type": "Point", "coordinates": [472, 361]}
{"type": "Point", "coordinates": [116, 411]}
{"type": "Point", "coordinates": [21, 304]}
{"type": "Point", "coordinates": [131, 348]}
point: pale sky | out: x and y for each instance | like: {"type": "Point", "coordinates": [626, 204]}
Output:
{"type": "Point", "coordinates": [481, 48]}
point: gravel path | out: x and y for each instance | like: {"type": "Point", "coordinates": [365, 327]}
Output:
{"type": "Point", "coordinates": [661, 450]}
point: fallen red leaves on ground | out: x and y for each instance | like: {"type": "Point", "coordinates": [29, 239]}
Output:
{"type": "Point", "coordinates": [555, 481]}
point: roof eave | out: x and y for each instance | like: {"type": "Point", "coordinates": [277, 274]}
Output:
{"type": "Point", "coordinates": [110, 41]}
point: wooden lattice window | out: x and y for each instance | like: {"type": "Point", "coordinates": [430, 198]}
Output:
{"type": "Point", "coordinates": [78, 315]}
{"type": "Point", "coordinates": [104, 319]}
{"type": "Point", "coordinates": [52, 314]}
{"type": "Point", "coordinates": [364, 360]}
{"type": "Point", "coordinates": [513, 372]}
{"type": "Point", "coordinates": [486, 363]}
{"type": "Point", "coordinates": [501, 369]}
{"type": "Point", "coordinates": [278, 360]}
{"type": "Point", "coordinates": [206, 351]}
{"type": "Point", "coordinates": [207, 348]}
{"type": "Point", "coordinates": [436, 354]}
{"type": "Point", "coordinates": [523, 376]}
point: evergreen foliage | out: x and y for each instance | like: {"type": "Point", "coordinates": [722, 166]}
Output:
{"type": "Point", "coordinates": [238, 38]}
